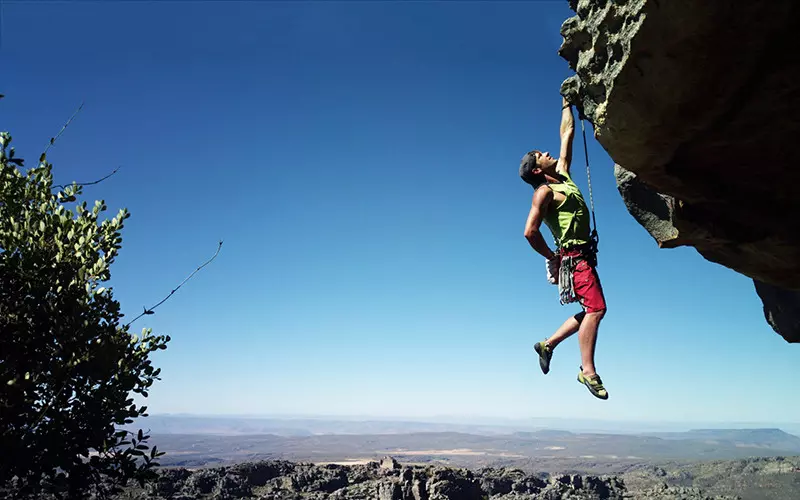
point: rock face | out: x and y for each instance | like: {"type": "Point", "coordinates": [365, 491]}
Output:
{"type": "Point", "coordinates": [695, 103]}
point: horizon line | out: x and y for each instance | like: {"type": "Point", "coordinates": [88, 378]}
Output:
{"type": "Point", "coordinates": [465, 419]}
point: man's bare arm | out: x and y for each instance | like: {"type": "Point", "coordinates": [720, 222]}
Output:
{"type": "Point", "coordinates": [567, 134]}
{"type": "Point", "coordinates": [541, 201]}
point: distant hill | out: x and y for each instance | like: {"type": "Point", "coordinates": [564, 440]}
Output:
{"type": "Point", "coordinates": [191, 424]}
{"type": "Point", "coordinates": [306, 426]}
{"type": "Point", "coordinates": [545, 434]}
{"type": "Point", "coordinates": [755, 438]}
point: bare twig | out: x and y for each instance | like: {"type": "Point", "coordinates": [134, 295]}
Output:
{"type": "Point", "coordinates": [146, 311]}
{"type": "Point", "coordinates": [150, 311]}
{"type": "Point", "coordinates": [62, 186]}
{"type": "Point", "coordinates": [53, 139]}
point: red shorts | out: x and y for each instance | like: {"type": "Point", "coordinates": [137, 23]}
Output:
{"type": "Point", "coordinates": [586, 284]}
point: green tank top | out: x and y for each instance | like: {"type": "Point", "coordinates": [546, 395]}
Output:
{"type": "Point", "coordinates": [569, 220]}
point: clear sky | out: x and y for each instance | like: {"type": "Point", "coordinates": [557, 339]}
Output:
{"type": "Point", "coordinates": [360, 160]}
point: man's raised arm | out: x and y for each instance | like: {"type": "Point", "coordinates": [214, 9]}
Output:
{"type": "Point", "coordinates": [567, 133]}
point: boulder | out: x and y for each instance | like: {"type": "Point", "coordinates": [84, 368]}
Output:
{"type": "Point", "coordinates": [389, 463]}
{"type": "Point", "coordinates": [694, 103]}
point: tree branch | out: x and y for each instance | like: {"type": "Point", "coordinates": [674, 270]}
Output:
{"type": "Point", "coordinates": [53, 139]}
{"type": "Point", "coordinates": [62, 186]}
{"type": "Point", "coordinates": [150, 311]}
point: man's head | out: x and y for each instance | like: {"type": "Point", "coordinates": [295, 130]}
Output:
{"type": "Point", "coordinates": [535, 165]}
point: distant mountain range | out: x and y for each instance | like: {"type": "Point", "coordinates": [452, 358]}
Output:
{"type": "Point", "coordinates": [308, 426]}
{"type": "Point", "coordinates": [742, 438]}
{"type": "Point", "coordinates": [196, 441]}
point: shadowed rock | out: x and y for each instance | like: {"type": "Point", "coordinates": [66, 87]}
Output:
{"type": "Point", "coordinates": [781, 309]}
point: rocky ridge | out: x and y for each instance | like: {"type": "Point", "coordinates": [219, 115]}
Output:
{"type": "Point", "coordinates": [389, 480]}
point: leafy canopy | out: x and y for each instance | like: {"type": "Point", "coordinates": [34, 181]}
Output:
{"type": "Point", "coordinates": [68, 366]}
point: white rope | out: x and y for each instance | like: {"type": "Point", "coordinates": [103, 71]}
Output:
{"type": "Point", "coordinates": [595, 238]}
{"type": "Point", "coordinates": [588, 174]}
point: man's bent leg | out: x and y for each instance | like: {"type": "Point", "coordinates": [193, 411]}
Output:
{"type": "Point", "coordinates": [568, 328]}
{"type": "Point", "coordinates": [545, 348]}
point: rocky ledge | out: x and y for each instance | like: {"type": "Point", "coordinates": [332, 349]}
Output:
{"type": "Point", "coordinates": [389, 480]}
{"type": "Point", "coordinates": [695, 103]}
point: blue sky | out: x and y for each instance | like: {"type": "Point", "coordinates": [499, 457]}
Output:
{"type": "Point", "coordinates": [359, 160]}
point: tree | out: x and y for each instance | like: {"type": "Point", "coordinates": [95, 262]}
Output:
{"type": "Point", "coordinates": [68, 366]}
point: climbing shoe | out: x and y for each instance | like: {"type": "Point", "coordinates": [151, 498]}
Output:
{"type": "Point", "coordinates": [545, 353]}
{"type": "Point", "coordinates": [594, 384]}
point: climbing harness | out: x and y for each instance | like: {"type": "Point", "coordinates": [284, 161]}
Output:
{"type": "Point", "coordinates": [566, 284]}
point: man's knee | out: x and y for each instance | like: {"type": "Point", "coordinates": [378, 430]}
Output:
{"type": "Point", "coordinates": [597, 313]}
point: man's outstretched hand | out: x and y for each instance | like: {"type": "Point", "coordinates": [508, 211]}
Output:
{"type": "Point", "coordinates": [571, 97]}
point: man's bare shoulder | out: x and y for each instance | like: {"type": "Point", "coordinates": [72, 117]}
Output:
{"type": "Point", "coordinates": [542, 195]}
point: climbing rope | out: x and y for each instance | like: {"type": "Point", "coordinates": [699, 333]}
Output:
{"type": "Point", "coordinates": [594, 236]}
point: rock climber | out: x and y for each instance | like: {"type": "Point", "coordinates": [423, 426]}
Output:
{"type": "Point", "coordinates": [558, 203]}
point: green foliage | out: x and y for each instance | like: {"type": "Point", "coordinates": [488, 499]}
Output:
{"type": "Point", "coordinates": [68, 367]}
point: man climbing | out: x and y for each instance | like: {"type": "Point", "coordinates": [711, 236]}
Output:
{"type": "Point", "coordinates": [558, 203]}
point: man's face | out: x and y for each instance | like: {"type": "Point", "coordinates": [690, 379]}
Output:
{"type": "Point", "coordinates": [544, 163]}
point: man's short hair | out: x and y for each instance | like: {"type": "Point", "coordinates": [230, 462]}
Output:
{"type": "Point", "coordinates": [526, 167]}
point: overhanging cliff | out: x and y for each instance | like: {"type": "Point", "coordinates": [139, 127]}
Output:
{"type": "Point", "coordinates": [696, 103]}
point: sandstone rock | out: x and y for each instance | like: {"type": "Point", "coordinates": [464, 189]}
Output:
{"type": "Point", "coordinates": [390, 491]}
{"type": "Point", "coordinates": [418, 490]}
{"type": "Point", "coordinates": [654, 211]}
{"type": "Point", "coordinates": [505, 481]}
{"type": "Point", "coordinates": [665, 492]}
{"type": "Point", "coordinates": [389, 463]}
{"type": "Point", "coordinates": [584, 486]}
{"type": "Point", "coordinates": [258, 473]}
{"type": "Point", "coordinates": [697, 101]}
{"type": "Point", "coordinates": [324, 478]}
{"type": "Point", "coordinates": [781, 309]}
{"type": "Point", "coordinates": [201, 482]}
{"type": "Point", "coordinates": [169, 483]}
{"type": "Point", "coordinates": [231, 486]}
{"type": "Point", "coordinates": [452, 484]}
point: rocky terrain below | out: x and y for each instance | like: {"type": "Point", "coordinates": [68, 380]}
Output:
{"type": "Point", "coordinates": [389, 480]}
